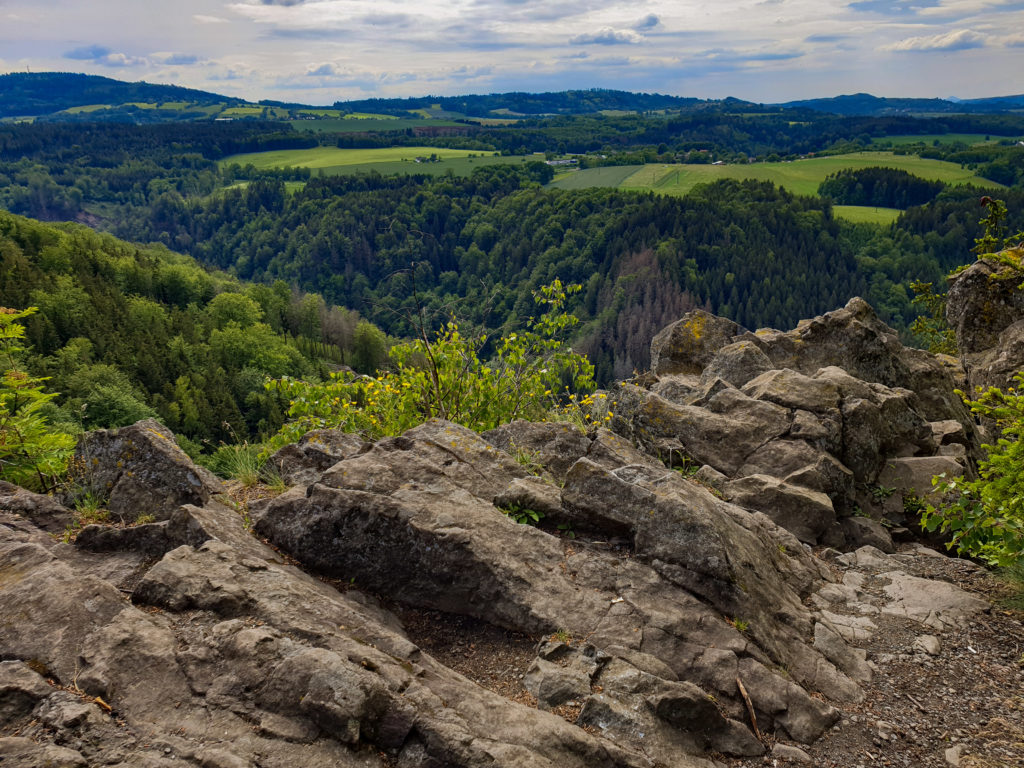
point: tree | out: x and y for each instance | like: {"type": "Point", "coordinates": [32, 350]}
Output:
{"type": "Point", "coordinates": [369, 347]}
{"type": "Point", "coordinates": [32, 453]}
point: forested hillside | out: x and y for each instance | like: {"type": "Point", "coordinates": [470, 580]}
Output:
{"type": "Point", "coordinates": [28, 93]}
{"type": "Point", "coordinates": [127, 332]}
{"type": "Point", "coordinates": [478, 245]}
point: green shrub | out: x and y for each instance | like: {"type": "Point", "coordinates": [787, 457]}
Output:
{"type": "Point", "coordinates": [32, 453]}
{"type": "Point", "coordinates": [444, 377]}
{"type": "Point", "coordinates": [985, 517]}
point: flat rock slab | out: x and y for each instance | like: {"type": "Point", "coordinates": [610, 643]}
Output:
{"type": "Point", "coordinates": [934, 603]}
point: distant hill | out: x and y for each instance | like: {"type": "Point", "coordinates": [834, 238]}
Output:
{"type": "Point", "coordinates": [866, 105]}
{"type": "Point", "coordinates": [68, 96]}
{"type": "Point", "coordinates": [520, 104]}
{"type": "Point", "coordinates": [25, 94]}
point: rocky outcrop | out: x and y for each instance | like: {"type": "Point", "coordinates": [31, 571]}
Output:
{"type": "Point", "coordinates": [657, 569]}
{"type": "Point", "coordinates": [666, 607]}
{"type": "Point", "coordinates": [799, 425]}
{"type": "Point", "coordinates": [985, 308]}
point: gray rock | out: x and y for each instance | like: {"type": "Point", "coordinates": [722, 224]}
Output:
{"type": "Point", "coordinates": [20, 690]}
{"type": "Point", "coordinates": [737, 363]}
{"type": "Point", "coordinates": [913, 475]}
{"type": "Point", "coordinates": [140, 470]}
{"type": "Point", "coordinates": [302, 463]}
{"type": "Point", "coordinates": [689, 344]}
{"type": "Point", "coordinates": [552, 447]}
{"type": "Point", "coordinates": [936, 604]}
{"type": "Point", "coordinates": [553, 685]}
{"type": "Point", "coordinates": [790, 753]}
{"type": "Point", "coordinates": [852, 661]}
{"type": "Point", "coordinates": [928, 644]}
{"type": "Point", "coordinates": [863, 531]}
{"type": "Point", "coordinates": [804, 512]}
{"type": "Point", "coordinates": [791, 389]}
{"type": "Point", "coordinates": [25, 753]}
{"type": "Point", "coordinates": [44, 512]}
{"type": "Point", "coordinates": [953, 755]}
{"type": "Point", "coordinates": [780, 458]}
{"type": "Point", "coordinates": [983, 300]}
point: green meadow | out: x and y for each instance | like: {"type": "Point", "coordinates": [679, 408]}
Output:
{"type": "Point", "coordinates": [367, 123]}
{"type": "Point", "coordinates": [334, 161]}
{"type": "Point", "coordinates": [863, 214]}
{"type": "Point", "coordinates": [801, 177]}
{"type": "Point", "coordinates": [942, 138]}
{"type": "Point", "coordinates": [608, 176]}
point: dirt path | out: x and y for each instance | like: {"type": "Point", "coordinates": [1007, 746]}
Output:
{"type": "Point", "coordinates": [959, 701]}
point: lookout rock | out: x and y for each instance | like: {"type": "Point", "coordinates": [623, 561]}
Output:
{"type": "Point", "coordinates": [388, 609]}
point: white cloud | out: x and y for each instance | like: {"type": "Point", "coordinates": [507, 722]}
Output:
{"type": "Point", "coordinates": [122, 60]}
{"type": "Point", "coordinates": [607, 36]}
{"type": "Point", "coordinates": [957, 40]}
{"type": "Point", "coordinates": [202, 18]}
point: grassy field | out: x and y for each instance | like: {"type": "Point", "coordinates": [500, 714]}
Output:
{"type": "Point", "coordinates": [801, 177]}
{"type": "Point", "coordinates": [359, 124]}
{"type": "Point", "coordinates": [862, 214]}
{"type": "Point", "coordinates": [242, 112]}
{"type": "Point", "coordinates": [942, 138]}
{"type": "Point", "coordinates": [86, 108]}
{"type": "Point", "coordinates": [333, 161]}
{"type": "Point", "coordinates": [610, 176]}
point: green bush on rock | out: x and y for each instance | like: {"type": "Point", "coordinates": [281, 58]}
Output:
{"type": "Point", "coordinates": [444, 377]}
{"type": "Point", "coordinates": [986, 516]}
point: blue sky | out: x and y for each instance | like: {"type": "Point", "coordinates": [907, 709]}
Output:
{"type": "Point", "coordinates": [318, 51]}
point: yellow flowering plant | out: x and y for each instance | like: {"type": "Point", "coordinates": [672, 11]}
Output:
{"type": "Point", "coordinates": [444, 377]}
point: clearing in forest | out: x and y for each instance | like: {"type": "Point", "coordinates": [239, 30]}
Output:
{"type": "Point", "coordinates": [334, 161]}
{"type": "Point", "coordinates": [801, 177]}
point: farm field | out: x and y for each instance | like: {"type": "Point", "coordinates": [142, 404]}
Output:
{"type": "Point", "coordinates": [366, 124]}
{"type": "Point", "coordinates": [863, 214]}
{"type": "Point", "coordinates": [609, 176]}
{"type": "Point", "coordinates": [942, 138]}
{"type": "Point", "coordinates": [801, 177]}
{"type": "Point", "coordinates": [334, 161]}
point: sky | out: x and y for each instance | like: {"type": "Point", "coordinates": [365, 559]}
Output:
{"type": "Point", "coordinates": [320, 51]}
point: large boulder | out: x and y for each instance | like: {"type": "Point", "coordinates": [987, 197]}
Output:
{"type": "Point", "coordinates": [303, 462]}
{"type": "Point", "coordinates": [983, 301]}
{"type": "Point", "coordinates": [690, 343]}
{"type": "Point", "coordinates": [140, 471]}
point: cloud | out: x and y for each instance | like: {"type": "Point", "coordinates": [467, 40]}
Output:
{"type": "Point", "coordinates": [99, 54]}
{"type": "Point", "coordinates": [388, 19]}
{"type": "Point", "coordinates": [121, 60]}
{"type": "Point", "coordinates": [87, 53]}
{"type": "Point", "coordinates": [893, 7]}
{"type": "Point", "coordinates": [323, 70]}
{"type": "Point", "coordinates": [202, 18]}
{"type": "Point", "coordinates": [650, 21]}
{"type": "Point", "coordinates": [607, 36]}
{"type": "Point", "coordinates": [180, 60]}
{"type": "Point", "coordinates": [285, 3]}
{"type": "Point", "coordinates": [824, 38]}
{"type": "Point", "coordinates": [958, 40]}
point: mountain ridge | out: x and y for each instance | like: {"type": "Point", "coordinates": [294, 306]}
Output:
{"type": "Point", "coordinates": [52, 94]}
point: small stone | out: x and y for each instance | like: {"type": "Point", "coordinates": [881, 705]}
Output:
{"type": "Point", "coordinates": [886, 730]}
{"type": "Point", "coordinates": [953, 755]}
{"type": "Point", "coordinates": [790, 754]}
{"type": "Point", "coordinates": [929, 644]}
